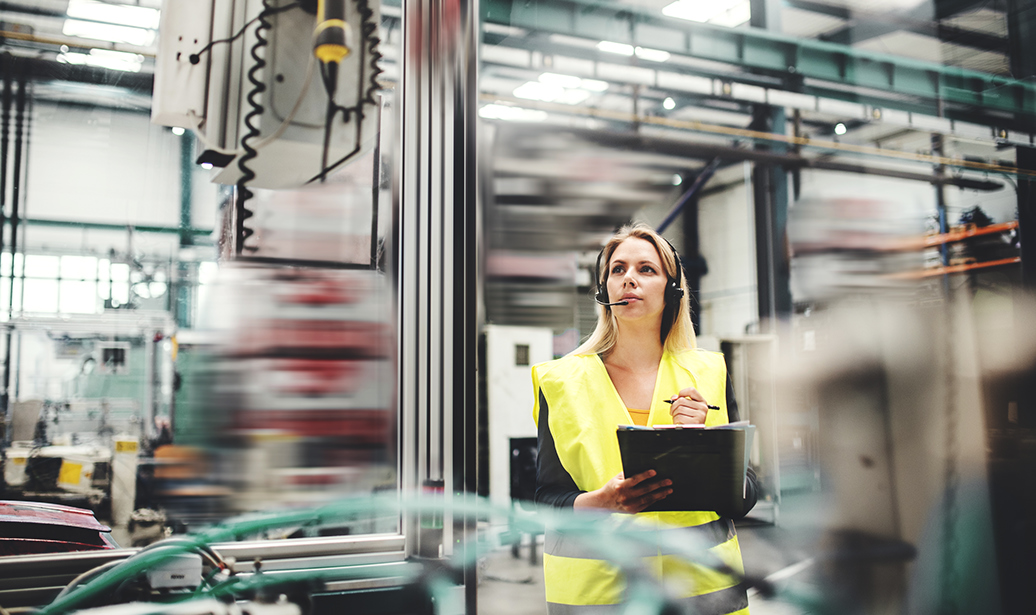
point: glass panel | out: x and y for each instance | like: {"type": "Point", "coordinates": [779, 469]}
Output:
{"type": "Point", "coordinates": [40, 295]}
{"type": "Point", "coordinates": [283, 394]}
{"type": "Point", "coordinates": [79, 297]}
{"type": "Point", "coordinates": [120, 294]}
{"type": "Point", "coordinates": [38, 266]}
{"type": "Point", "coordinates": [78, 268]}
{"type": "Point", "coordinates": [841, 184]}
{"type": "Point", "coordinates": [120, 272]}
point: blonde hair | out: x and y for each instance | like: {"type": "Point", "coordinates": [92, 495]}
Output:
{"type": "Point", "coordinates": [680, 335]}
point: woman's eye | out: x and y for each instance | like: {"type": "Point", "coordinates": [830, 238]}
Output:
{"type": "Point", "coordinates": [617, 269]}
{"type": "Point", "coordinates": [647, 269]}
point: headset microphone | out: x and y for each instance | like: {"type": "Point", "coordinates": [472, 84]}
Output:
{"type": "Point", "coordinates": [605, 303]}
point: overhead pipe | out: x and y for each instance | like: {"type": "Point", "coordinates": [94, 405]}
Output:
{"type": "Point", "coordinates": [691, 192]}
{"type": "Point", "coordinates": [698, 150]}
{"type": "Point", "coordinates": [16, 188]}
{"type": "Point", "coordinates": [23, 178]}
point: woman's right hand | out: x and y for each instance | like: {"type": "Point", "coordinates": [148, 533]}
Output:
{"type": "Point", "coordinates": [626, 495]}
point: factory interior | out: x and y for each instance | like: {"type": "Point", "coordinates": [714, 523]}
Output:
{"type": "Point", "coordinates": [278, 360]}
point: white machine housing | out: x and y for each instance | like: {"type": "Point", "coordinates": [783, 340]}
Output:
{"type": "Point", "coordinates": [211, 97]}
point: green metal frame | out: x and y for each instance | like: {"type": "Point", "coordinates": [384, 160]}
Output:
{"type": "Point", "coordinates": [896, 81]}
{"type": "Point", "coordinates": [143, 228]}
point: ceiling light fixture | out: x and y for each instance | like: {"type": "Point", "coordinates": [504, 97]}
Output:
{"type": "Point", "coordinates": [534, 90]}
{"type": "Point", "coordinates": [105, 58]}
{"type": "Point", "coordinates": [116, 23]}
{"type": "Point", "coordinates": [619, 48]}
{"type": "Point", "coordinates": [728, 13]}
{"type": "Point", "coordinates": [652, 55]}
{"type": "Point", "coordinates": [564, 81]}
{"type": "Point", "coordinates": [108, 32]}
{"type": "Point", "coordinates": [840, 129]}
{"type": "Point", "coordinates": [669, 104]}
{"type": "Point", "coordinates": [119, 14]}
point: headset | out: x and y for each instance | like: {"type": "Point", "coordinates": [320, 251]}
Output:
{"type": "Point", "coordinates": [673, 290]}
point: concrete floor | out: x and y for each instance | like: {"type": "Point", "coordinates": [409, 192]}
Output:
{"type": "Point", "coordinates": [514, 586]}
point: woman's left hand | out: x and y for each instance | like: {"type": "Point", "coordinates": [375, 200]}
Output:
{"type": "Point", "coordinates": [689, 407]}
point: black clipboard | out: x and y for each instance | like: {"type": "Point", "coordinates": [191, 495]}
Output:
{"type": "Point", "coordinates": [707, 465]}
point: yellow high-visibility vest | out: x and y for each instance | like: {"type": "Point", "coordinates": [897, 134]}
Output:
{"type": "Point", "coordinates": [583, 411]}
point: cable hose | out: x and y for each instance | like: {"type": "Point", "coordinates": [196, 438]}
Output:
{"type": "Point", "coordinates": [367, 30]}
{"type": "Point", "coordinates": [242, 231]}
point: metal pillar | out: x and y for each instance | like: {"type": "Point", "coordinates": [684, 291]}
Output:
{"type": "Point", "coordinates": [437, 264]}
{"type": "Point", "coordinates": [14, 71]}
{"type": "Point", "coordinates": [694, 265]}
{"type": "Point", "coordinates": [185, 271]}
{"type": "Point", "coordinates": [770, 192]}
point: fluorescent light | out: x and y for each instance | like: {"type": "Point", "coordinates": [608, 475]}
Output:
{"type": "Point", "coordinates": [534, 90]}
{"type": "Point", "coordinates": [571, 82]}
{"type": "Point", "coordinates": [512, 114]}
{"type": "Point", "coordinates": [105, 58]}
{"type": "Point", "coordinates": [563, 81]}
{"type": "Point", "coordinates": [669, 104]}
{"type": "Point", "coordinates": [118, 14]}
{"type": "Point", "coordinates": [654, 55]}
{"type": "Point", "coordinates": [737, 15]}
{"type": "Point", "coordinates": [619, 48]}
{"type": "Point", "coordinates": [108, 32]}
{"type": "Point", "coordinates": [699, 10]}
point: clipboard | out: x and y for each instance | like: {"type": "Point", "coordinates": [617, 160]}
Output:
{"type": "Point", "coordinates": [707, 465]}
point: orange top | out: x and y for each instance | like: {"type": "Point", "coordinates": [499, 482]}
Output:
{"type": "Point", "coordinates": [640, 417]}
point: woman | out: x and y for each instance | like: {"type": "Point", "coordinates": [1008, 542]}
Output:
{"type": "Point", "coordinates": [641, 355]}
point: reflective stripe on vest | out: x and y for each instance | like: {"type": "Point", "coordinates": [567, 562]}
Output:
{"type": "Point", "coordinates": [733, 600]}
{"type": "Point", "coordinates": [585, 409]}
{"type": "Point", "coordinates": [584, 577]}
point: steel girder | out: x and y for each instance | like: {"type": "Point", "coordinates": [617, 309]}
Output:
{"type": "Point", "coordinates": [891, 81]}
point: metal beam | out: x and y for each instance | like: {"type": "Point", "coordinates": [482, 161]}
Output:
{"type": "Point", "coordinates": [39, 69]}
{"type": "Point", "coordinates": [705, 150]}
{"type": "Point", "coordinates": [865, 25]}
{"type": "Point", "coordinates": [896, 80]}
{"type": "Point", "coordinates": [142, 228]}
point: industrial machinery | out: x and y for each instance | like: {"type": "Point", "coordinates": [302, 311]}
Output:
{"type": "Point", "coordinates": [89, 393]}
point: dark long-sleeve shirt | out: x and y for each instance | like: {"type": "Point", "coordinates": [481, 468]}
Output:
{"type": "Point", "coordinates": [555, 486]}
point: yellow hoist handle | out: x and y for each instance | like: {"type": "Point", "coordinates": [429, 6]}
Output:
{"type": "Point", "coordinates": [331, 39]}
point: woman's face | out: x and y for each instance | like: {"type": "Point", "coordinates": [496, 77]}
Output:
{"type": "Point", "coordinates": [635, 274]}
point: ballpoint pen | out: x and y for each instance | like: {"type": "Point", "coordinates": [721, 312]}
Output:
{"type": "Point", "coordinates": [710, 406]}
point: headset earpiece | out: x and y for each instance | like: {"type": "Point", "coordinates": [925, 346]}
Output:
{"type": "Point", "coordinates": [673, 291]}
{"type": "Point", "coordinates": [602, 291]}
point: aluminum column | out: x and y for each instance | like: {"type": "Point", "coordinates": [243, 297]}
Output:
{"type": "Point", "coordinates": [437, 261]}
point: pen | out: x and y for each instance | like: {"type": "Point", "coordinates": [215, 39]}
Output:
{"type": "Point", "coordinates": [711, 407]}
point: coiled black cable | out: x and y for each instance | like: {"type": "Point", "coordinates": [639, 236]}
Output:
{"type": "Point", "coordinates": [368, 28]}
{"type": "Point", "coordinates": [242, 213]}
